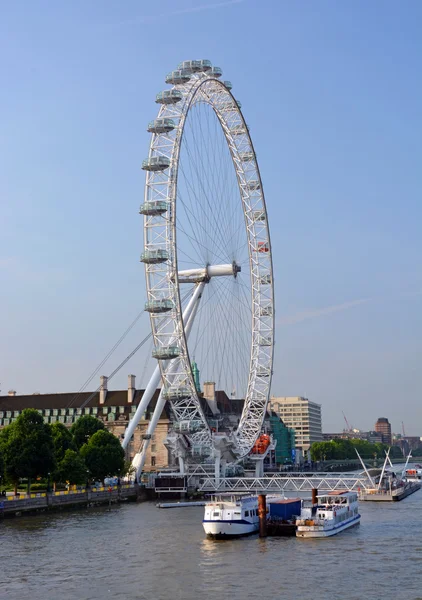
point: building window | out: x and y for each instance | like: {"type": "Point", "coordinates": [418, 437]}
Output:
{"type": "Point", "coordinates": [152, 461]}
{"type": "Point", "coordinates": [153, 448]}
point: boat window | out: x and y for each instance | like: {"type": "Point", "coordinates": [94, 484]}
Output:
{"type": "Point", "coordinates": [246, 513]}
{"type": "Point", "coordinates": [237, 513]}
{"type": "Point", "coordinates": [216, 514]}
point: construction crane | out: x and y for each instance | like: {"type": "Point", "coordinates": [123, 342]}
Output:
{"type": "Point", "coordinates": [402, 428]}
{"type": "Point", "coordinates": [347, 422]}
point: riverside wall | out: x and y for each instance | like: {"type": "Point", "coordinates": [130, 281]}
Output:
{"type": "Point", "coordinates": [30, 503]}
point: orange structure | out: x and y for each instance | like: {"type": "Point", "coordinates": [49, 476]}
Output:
{"type": "Point", "coordinates": [261, 444]}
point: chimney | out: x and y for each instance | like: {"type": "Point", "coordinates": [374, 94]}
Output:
{"type": "Point", "coordinates": [130, 388]}
{"type": "Point", "coordinates": [209, 395]}
{"type": "Point", "coordinates": [103, 388]}
{"type": "Point", "coordinates": [11, 393]}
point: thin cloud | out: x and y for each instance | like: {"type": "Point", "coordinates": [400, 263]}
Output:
{"type": "Point", "coordinates": [144, 19]}
{"type": "Point", "coordinates": [320, 312]}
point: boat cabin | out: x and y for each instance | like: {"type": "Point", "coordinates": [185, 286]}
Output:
{"type": "Point", "coordinates": [334, 505]}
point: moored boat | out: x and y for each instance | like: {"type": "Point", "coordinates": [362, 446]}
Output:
{"type": "Point", "coordinates": [231, 515]}
{"type": "Point", "coordinates": [333, 513]}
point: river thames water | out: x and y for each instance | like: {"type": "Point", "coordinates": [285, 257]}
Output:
{"type": "Point", "coordinates": [137, 551]}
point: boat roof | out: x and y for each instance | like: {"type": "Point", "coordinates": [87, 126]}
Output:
{"type": "Point", "coordinates": [283, 500]}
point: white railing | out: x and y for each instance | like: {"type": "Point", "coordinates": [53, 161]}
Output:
{"type": "Point", "coordinates": [285, 483]}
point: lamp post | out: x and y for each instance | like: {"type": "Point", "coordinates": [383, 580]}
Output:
{"type": "Point", "coordinates": [48, 483]}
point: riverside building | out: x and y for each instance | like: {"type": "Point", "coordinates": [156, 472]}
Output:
{"type": "Point", "coordinates": [303, 416]}
{"type": "Point", "coordinates": [383, 427]}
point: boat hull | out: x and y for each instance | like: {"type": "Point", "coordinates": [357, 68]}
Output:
{"type": "Point", "coordinates": [395, 496]}
{"type": "Point", "coordinates": [309, 531]}
{"type": "Point", "coordinates": [229, 529]}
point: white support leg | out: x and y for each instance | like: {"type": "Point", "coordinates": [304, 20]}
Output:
{"type": "Point", "coordinates": [140, 457]}
{"type": "Point", "coordinates": [156, 377]}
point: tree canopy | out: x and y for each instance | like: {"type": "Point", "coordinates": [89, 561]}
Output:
{"type": "Point", "coordinates": [339, 449]}
{"type": "Point", "coordinates": [84, 428]}
{"type": "Point", "coordinates": [27, 447]}
{"type": "Point", "coordinates": [103, 455]}
{"type": "Point", "coordinates": [72, 468]}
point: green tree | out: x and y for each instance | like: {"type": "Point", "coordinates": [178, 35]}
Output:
{"type": "Point", "coordinates": [103, 455]}
{"type": "Point", "coordinates": [84, 428]}
{"type": "Point", "coordinates": [27, 447]}
{"type": "Point", "coordinates": [72, 468]}
{"type": "Point", "coordinates": [62, 440]}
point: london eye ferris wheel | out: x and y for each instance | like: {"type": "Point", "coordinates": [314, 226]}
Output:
{"type": "Point", "coordinates": [207, 257]}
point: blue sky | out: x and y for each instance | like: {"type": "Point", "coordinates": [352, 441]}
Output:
{"type": "Point", "coordinates": [332, 93]}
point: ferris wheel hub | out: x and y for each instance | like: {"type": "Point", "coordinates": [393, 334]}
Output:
{"type": "Point", "coordinates": [206, 273]}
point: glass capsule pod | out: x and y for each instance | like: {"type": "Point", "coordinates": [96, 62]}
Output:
{"type": "Point", "coordinates": [178, 77]}
{"type": "Point", "coordinates": [161, 125]}
{"type": "Point", "coordinates": [238, 129]}
{"type": "Point", "coordinates": [246, 156]}
{"type": "Point", "coordinates": [266, 311]}
{"type": "Point", "coordinates": [254, 184]}
{"type": "Point", "coordinates": [153, 209]}
{"type": "Point", "coordinates": [156, 163]}
{"type": "Point", "coordinates": [259, 215]}
{"type": "Point", "coordinates": [179, 393]}
{"type": "Point", "coordinates": [265, 279]}
{"type": "Point", "coordinates": [190, 66]}
{"type": "Point", "coordinates": [215, 72]}
{"type": "Point", "coordinates": [153, 257]}
{"type": "Point", "coordinates": [228, 85]}
{"type": "Point", "coordinates": [263, 247]}
{"type": "Point", "coordinates": [188, 426]}
{"type": "Point", "coordinates": [239, 104]}
{"type": "Point", "coordinates": [168, 97]}
{"type": "Point", "coordinates": [159, 306]}
{"type": "Point", "coordinates": [263, 372]}
{"type": "Point", "coordinates": [166, 352]}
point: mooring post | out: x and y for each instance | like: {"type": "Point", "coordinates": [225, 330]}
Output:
{"type": "Point", "coordinates": [262, 513]}
{"type": "Point", "coordinates": [314, 496]}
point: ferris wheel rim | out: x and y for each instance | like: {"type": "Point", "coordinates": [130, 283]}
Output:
{"type": "Point", "coordinates": [190, 91]}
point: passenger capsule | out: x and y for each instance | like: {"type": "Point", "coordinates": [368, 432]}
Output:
{"type": "Point", "coordinates": [153, 209]}
{"type": "Point", "coordinates": [156, 163]}
{"type": "Point", "coordinates": [177, 393]}
{"type": "Point", "coordinates": [246, 156]}
{"type": "Point", "coordinates": [159, 306]}
{"type": "Point", "coordinates": [153, 257]}
{"type": "Point", "coordinates": [215, 72]}
{"type": "Point", "coordinates": [263, 372]}
{"type": "Point", "coordinates": [266, 311]}
{"type": "Point", "coordinates": [168, 97]}
{"type": "Point", "coordinates": [265, 279]}
{"type": "Point", "coordinates": [178, 77]}
{"type": "Point", "coordinates": [228, 85]}
{"type": "Point", "coordinates": [166, 352]}
{"type": "Point", "coordinates": [238, 129]}
{"type": "Point", "coordinates": [259, 215]}
{"type": "Point", "coordinates": [191, 66]}
{"type": "Point", "coordinates": [239, 104]}
{"type": "Point", "coordinates": [253, 185]}
{"type": "Point", "coordinates": [161, 125]}
{"type": "Point", "coordinates": [263, 247]}
{"type": "Point", "coordinates": [205, 65]}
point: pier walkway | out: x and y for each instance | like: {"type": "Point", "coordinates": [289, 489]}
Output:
{"type": "Point", "coordinates": [286, 482]}
{"type": "Point", "coordinates": [15, 505]}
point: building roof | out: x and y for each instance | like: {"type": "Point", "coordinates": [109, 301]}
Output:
{"type": "Point", "coordinates": [76, 400]}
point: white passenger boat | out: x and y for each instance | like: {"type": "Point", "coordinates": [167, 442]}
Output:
{"type": "Point", "coordinates": [231, 515]}
{"type": "Point", "coordinates": [333, 513]}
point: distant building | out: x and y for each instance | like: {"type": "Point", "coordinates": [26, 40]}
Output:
{"type": "Point", "coordinates": [285, 438]}
{"type": "Point", "coordinates": [303, 416]}
{"type": "Point", "coordinates": [383, 427]}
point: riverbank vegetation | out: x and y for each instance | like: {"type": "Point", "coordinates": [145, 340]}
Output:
{"type": "Point", "coordinates": [33, 450]}
{"type": "Point", "coordinates": [346, 449]}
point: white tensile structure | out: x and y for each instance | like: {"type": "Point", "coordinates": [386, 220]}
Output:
{"type": "Point", "coordinates": [205, 220]}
